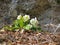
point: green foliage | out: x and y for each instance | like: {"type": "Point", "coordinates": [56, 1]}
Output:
{"type": "Point", "coordinates": [8, 28]}
{"type": "Point", "coordinates": [22, 23]}
{"type": "Point", "coordinates": [36, 28]}
{"type": "Point", "coordinates": [28, 27]}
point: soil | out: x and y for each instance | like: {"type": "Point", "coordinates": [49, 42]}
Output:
{"type": "Point", "coordinates": [28, 38]}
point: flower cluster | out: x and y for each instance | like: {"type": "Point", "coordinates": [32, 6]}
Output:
{"type": "Point", "coordinates": [19, 17]}
{"type": "Point", "coordinates": [33, 21]}
{"type": "Point", "coordinates": [24, 22]}
{"type": "Point", "coordinates": [26, 18]}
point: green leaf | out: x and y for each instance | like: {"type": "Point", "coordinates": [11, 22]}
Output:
{"type": "Point", "coordinates": [26, 23]}
{"type": "Point", "coordinates": [33, 28]}
{"type": "Point", "coordinates": [8, 28]}
{"type": "Point", "coordinates": [16, 24]}
{"type": "Point", "coordinates": [21, 23]}
{"type": "Point", "coordinates": [28, 27]}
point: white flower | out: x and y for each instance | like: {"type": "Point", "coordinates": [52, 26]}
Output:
{"type": "Point", "coordinates": [26, 18]}
{"type": "Point", "coordinates": [19, 17]}
{"type": "Point", "coordinates": [34, 21]}
{"type": "Point", "coordinates": [28, 27]}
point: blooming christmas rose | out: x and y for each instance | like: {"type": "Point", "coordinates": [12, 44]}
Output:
{"type": "Point", "coordinates": [29, 26]}
{"type": "Point", "coordinates": [26, 18]}
{"type": "Point", "coordinates": [34, 21]}
{"type": "Point", "coordinates": [19, 17]}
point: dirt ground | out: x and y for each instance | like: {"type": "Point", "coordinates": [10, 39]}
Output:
{"type": "Point", "coordinates": [28, 38]}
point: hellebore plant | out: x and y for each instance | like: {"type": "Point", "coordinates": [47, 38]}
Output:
{"type": "Point", "coordinates": [34, 22]}
{"type": "Point", "coordinates": [24, 22]}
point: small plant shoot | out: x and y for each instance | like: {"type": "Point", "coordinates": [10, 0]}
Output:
{"type": "Point", "coordinates": [24, 22]}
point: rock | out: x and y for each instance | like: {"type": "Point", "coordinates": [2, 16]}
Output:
{"type": "Point", "coordinates": [51, 15]}
{"type": "Point", "coordinates": [9, 9]}
{"type": "Point", "coordinates": [38, 6]}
